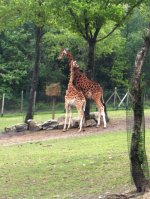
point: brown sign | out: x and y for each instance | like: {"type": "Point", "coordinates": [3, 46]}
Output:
{"type": "Point", "coordinates": [53, 89]}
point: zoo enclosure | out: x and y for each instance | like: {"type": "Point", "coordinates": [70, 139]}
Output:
{"type": "Point", "coordinates": [114, 99]}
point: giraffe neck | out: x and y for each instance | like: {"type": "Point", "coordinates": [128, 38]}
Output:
{"type": "Point", "coordinates": [71, 75]}
{"type": "Point", "coordinates": [70, 57]}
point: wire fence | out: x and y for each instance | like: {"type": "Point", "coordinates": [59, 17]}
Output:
{"type": "Point", "coordinates": [115, 99]}
{"type": "Point", "coordinates": [14, 111]}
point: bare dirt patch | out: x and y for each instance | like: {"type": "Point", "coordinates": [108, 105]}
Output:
{"type": "Point", "coordinates": [30, 136]}
{"type": "Point", "coordinates": [114, 125]}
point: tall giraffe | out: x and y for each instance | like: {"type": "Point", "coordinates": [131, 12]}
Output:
{"type": "Point", "coordinates": [89, 88]}
{"type": "Point", "coordinates": [75, 98]}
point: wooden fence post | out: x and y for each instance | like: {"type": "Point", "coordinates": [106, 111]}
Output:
{"type": "Point", "coordinates": [34, 101]}
{"type": "Point", "coordinates": [3, 102]}
{"type": "Point", "coordinates": [21, 101]}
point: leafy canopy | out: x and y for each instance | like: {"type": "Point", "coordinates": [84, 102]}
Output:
{"type": "Point", "coordinates": [87, 17]}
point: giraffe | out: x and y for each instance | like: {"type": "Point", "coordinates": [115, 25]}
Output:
{"type": "Point", "coordinates": [75, 98]}
{"type": "Point", "coordinates": [89, 88]}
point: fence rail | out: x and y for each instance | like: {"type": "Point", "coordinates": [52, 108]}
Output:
{"type": "Point", "coordinates": [114, 99]}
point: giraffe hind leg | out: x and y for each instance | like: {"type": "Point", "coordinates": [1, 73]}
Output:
{"type": "Point", "coordinates": [99, 119]}
{"type": "Point", "coordinates": [104, 117]}
{"type": "Point", "coordinates": [81, 121]}
{"type": "Point", "coordinates": [101, 112]}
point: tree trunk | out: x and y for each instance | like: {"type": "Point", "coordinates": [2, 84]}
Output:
{"type": "Point", "coordinates": [90, 72]}
{"type": "Point", "coordinates": [137, 152]}
{"type": "Point", "coordinates": [34, 80]}
{"type": "Point", "coordinates": [90, 62]}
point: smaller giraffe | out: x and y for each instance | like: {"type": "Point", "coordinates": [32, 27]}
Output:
{"type": "Point", "coordinates": [73, 98]}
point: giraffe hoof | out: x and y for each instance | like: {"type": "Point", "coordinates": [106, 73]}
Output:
{"type": "Point", "coordinates": [97, 126]}
{"type": "Point", "coordinates": [64, 130]}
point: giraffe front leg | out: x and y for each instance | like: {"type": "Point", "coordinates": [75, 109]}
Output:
{"type": "Point", "coordinates": [104, 118]}
{"type": "Point", "coordinates": [99, 119]}
{"type": "Point", "coordinates": [66, 117]}
{"type": "Point", "coordinates": [70, 118]}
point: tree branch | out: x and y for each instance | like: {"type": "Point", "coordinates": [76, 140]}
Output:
{"type": "Point", "coordinates": [107, 2]}
{"type": "Point", "coordinates": [77, 23]}
{"type": "Point", "coordinates": [123, 19]}
{"type": "Point", "coordinates": [86, 21]}
{"type": "Point", "coordinates": [96, 33]}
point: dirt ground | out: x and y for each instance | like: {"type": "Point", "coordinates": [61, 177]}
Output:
{"type": "Point", "coordinates": [30, 136]}
{"type": "Point", "coordinates": [114, 125]}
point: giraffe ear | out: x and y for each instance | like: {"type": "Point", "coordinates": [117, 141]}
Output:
{"type": "Point", "coordinates": [75, 64]}
{"type": "Point", "coordinates": [65, 50]}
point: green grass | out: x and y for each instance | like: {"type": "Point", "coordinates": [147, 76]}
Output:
{"type": "Point", "coordinates": [67, 168]}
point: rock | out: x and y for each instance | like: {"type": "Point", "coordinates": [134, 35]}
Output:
{"type": "Point", "coordinates": [49, 125]}
{"type": "Point", "coordinates": [90, 123]}
{"type": "Point", "coordinates": [46, 124]}
{"type": "Point", "coordinates": [75, 123]}
{"type": "Point", "coordinates": [61, 119]}
{"type": "Point", "coordinates": [10, 129]}
{"type": "Point", "coordinates": [33, 126]}
{"type": "Point", "coordinates": [60, 125]}
{"type": "Point", "coordinates": [21, 127]}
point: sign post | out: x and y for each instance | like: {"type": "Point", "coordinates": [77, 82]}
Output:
{"type": "Point", "coordinates": [53, 90]}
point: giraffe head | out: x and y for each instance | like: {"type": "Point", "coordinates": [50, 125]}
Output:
{"type": "Point", "coordinates": [74, 64]}
{"type": "Point", "coordinates": [63, 53]}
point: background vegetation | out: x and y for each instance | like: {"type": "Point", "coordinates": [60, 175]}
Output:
{"type": "Point", "coordinates": [114, 56]}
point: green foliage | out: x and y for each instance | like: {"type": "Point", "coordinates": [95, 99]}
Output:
{"type": "Point", "coordinates": [114, 56]}
{"type": "Point", "coordinates": [14, 62]}
{"type": "Point", "coordinates": [134, 33]}
{"type": "Point", "coordinates": [88, 17]}
{"type": "Point", "coordinates": [53, 70]}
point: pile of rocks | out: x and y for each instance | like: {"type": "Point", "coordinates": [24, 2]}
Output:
{"type": "Point", "coordinates": [49, 125]}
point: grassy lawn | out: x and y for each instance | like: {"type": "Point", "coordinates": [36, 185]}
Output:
{"type": "Point", "coordinates": [64, 168]}
{"type": "Point", "coordinates": [80, 167]}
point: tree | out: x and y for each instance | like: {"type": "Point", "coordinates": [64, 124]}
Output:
{"type": "Point", "coordinates": [39, 13]}
{"type": "Point", "coordinates": [89, 17]}
{"type": "Point", "coordinates": [16, 52]}
{"type": "Point", "coordinates": [137, 148]}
